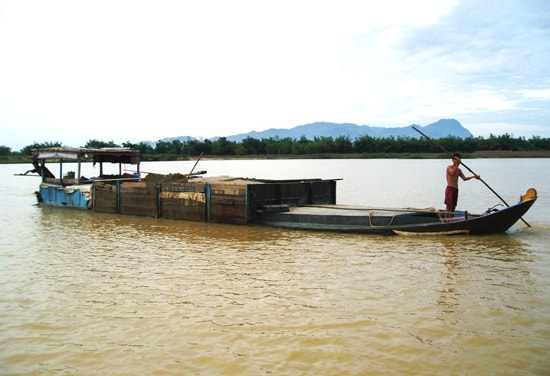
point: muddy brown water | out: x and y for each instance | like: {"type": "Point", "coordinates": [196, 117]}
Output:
{"type": "Point", "coordinates": [90, 293]}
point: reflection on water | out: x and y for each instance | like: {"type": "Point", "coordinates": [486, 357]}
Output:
{"type": "Point", "coordinates": [89, 293]}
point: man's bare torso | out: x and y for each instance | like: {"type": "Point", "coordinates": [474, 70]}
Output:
{"type": "Point", "coordinates": [453, 172]}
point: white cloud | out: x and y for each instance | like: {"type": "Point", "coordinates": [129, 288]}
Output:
{"type": "Point", "coordinates": [71, 71]}
{"type": "Point", "coordinates": [536, 94]}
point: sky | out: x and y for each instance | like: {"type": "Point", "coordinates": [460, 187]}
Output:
{"type": "Point", "coordinates": [135, 70]}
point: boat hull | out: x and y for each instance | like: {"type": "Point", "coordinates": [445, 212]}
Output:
{"type": "Point", "coordinates": [420, 222]}
{"type": "Point", "coordinates": [72, 196]}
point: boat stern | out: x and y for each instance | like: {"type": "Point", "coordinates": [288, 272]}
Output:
{"type": "Point", "coordinates": [73, 196]}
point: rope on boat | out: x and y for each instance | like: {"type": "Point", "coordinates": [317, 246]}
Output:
{"type": "Point", "coordinates": [389, 224]}
{"type": "Point", "coordinates": [403, 210]}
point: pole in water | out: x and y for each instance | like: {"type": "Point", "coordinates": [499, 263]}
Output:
{"type": "Point", "coordinates": [469, 169]}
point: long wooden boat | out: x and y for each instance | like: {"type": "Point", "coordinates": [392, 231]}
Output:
{"type": "Point", "coordinates": [307, 204]}
{"type": "Point", "coordinates": [389, 221]}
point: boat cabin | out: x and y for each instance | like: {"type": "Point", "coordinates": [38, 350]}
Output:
{"type": "Point", "coordinates": [96, 155]}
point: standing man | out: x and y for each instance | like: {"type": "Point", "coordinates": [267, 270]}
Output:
{"type": "Point", "coordinates": [451, 192]}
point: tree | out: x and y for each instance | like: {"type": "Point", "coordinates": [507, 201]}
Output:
{"type": "Point", "coordinates": [93, 144]}
{"type": "Point", "coordinates": [5, 151]}
{"type": "Point", "coordinates": [162, 147]}
{"type": "Point", "coordinates": [44, 145]}
{"type": "Point", "coordinates": [363, 144]}
{"type": "Point", "coordinates": [223, 147]}
{"type": "Point", "coordinates": [176, 147]}
{"type": "Point", "coordinates": [253, 146]}
{"type": "Point", "coordinates": [319, 145]}
{"type": "Point", "coordinates": [343, 145]}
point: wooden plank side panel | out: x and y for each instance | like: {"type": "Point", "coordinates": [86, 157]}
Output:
{"type": "Point", "coordinates": [138, 199]}
{"type": "Point", "coordinates": [229, 211]}
{"type": "Point", "coordinates": [104, 200]}
{"type": "Point", "coordinates": [183, 187]}
{"type": "Point", "coordinates": [228, 203]}
{"type": "Point", "coordinates": [185, 201]}
{"type": "Point", "coordinates": [184, 205]}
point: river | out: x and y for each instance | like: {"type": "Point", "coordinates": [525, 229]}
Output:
{"type": "Point", "coordinates": [87, 293]}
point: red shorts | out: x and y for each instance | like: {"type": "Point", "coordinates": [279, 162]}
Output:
{"type": "Point", "coordinates": [451, 196]}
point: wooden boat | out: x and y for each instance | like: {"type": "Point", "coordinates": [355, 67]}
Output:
{"type": "Point", "coordinates": [388, 221]}
{"type": "Point", "coordinates": [307, 204]}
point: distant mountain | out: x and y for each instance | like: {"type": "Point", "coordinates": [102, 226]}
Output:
{"type": "Point", "coordinates": [439, 129]}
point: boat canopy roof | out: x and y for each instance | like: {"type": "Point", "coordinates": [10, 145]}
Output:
{"type": "Point", "coordinates": [113, 155]}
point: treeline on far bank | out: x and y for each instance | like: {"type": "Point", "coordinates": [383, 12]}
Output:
{"type": "Point", "coordinates": [176, 149]}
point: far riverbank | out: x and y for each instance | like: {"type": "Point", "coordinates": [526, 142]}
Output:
{"type": "Point", "coordinates": [478, 154]}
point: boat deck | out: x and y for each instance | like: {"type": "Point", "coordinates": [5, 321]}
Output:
{"type": "Point", "coordinates": [351, 210]}
{"type": "Point", "coordinates": [343, 217]}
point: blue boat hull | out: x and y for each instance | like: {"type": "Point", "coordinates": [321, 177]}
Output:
{"type": "Point", "coordinates": [73, 196]}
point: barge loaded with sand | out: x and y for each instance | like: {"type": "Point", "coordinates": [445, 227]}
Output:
{"type": "Point", "coordinates": [308, 204]}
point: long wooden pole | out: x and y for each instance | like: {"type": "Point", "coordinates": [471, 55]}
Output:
{"type": "Point", "coordinates": [195, 165]}
{"type": "Point", "coordinates": [469, 169]}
